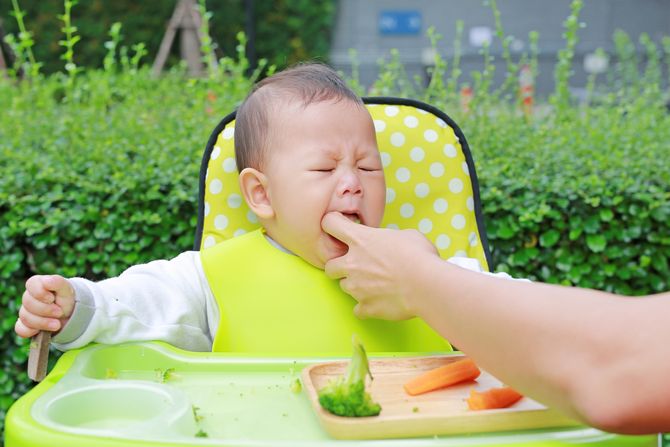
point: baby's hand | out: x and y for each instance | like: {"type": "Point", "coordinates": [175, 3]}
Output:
{"type": "Point", "coordinates": [47, 304]}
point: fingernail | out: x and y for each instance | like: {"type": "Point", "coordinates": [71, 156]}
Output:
{"type": "Point", "coordinates": [57, 312]}
{"type": "Point", "coordinates": [53, 325]}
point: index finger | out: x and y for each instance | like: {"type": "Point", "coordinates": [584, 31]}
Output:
{"type": "Point", "coordinates": [339, 227]}
{"type": "Point", "coordinates": [36, 288]}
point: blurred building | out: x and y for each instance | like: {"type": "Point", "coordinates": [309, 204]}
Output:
{"type": "Point", "coordinates": [374, 27]}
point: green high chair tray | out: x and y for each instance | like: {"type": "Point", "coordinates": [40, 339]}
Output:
{"type": "Point", "coordinates": [151, 394]}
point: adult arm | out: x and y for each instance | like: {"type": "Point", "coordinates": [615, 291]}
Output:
{"type": "Point", "coordinates": [598, 357]}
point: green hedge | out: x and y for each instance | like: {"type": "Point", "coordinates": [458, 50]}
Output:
{"type": "Point", "coordinates": [583, 202]}
{"type": "Point", "coordinates": [98, 171]}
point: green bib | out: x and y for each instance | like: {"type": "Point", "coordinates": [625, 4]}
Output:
{"type": "Point", "coordinates": [275, 303]}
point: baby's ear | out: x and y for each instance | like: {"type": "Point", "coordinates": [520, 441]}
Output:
{"type": "Point", "coordinates": [253, 185]}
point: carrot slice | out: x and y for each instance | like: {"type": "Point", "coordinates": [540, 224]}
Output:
{"type": "Point", "coordinates": [493, 398]}
{"type": "Point", "coordinates": [450, 374]}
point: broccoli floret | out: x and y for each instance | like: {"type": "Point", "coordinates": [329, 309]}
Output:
{"type": "Point", "coordinates": [201, 434]}
{"type": "Point", "coordinates": [346, 395]}
{"type": "Point", "coordinates": [296, 386]}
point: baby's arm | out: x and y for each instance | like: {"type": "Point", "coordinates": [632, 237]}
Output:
{"type": "Point", "coordinates": [162, 300]}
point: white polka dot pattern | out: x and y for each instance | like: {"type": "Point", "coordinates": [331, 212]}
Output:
{"type": "Point", "coordinates": [391, 111]}
{"type": "Point", "coordinates": [228, 133]}
{"type": "Point", "coordinates": [417, 154]}
{"type": "Point", "coordinates": [425, 225]}
{"type": "Point", "coordinates": [442, 241]}
{"type": "Point", "coordinates": [220, 222]}
{"type": "Point", "coordinates": [403, 175]}
{"type": "Point", "coordinates": [411, 122]}
{"type": "Point", "coordinates": [456, 185]}
{"type": "Point", "coordinates": [226, 213]}
{"type": "Point", "coordinates": [390, 195]}
{"type": "Point", "coordinates": [398, 139]}
{"type": "Point", "coordinates": [440, 206]}
{"type": "Point", "coordinates": [215, 153]}
{"type": "Point", "coordinates": [458, 222]}
{"type": "Point", "coordinates": [208, 242]}
{"type": "Point", "coordinates": [215, 186]}
{"type": "Point", "coordinates": [229, 165]}
{"type": "Point", "coordinates": [470, 203]}
{"type": "Point", "coordinates": [407, 210]}
{"type": "Point", "coordinates": [437, 169]}
{"type": "Point", "coordinates": [450, 151]}
{"type": "Point", "coordinates": [252, 217]}
{"type": "Point", "coordinates": [422, 190]}
{"type": "Point", "coordinates": [386, 158]}
{"type": "Point", "coordinates": [430, 135]}
{"type": "Point", "coordinates": [427, 179]}
{"type": "Point", "coordinates": [234, 200]}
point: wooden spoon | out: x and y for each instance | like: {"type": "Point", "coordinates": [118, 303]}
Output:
{"type": "Point", "coordinates": [38, 357]}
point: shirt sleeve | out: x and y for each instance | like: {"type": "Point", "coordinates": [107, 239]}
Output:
{"type": "Point", "coordinates": [166, 300]}
{"type": "Point", "coordinates": [473, 265]}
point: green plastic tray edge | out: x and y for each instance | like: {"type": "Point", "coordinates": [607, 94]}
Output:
{"type": "Point", "coordinates": [21, 430]}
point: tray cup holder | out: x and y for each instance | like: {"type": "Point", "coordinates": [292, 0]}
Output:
{"type": "Point", "coordinates": [123, 409]}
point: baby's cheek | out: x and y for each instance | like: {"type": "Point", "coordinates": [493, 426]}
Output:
{"type": "Point", "coordinates": [378, 215]}
{"type": "Point", "coordinates": [376, 206]}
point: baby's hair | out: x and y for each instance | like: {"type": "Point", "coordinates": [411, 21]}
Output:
{"type": "Point", "coordinates": [307, 83]}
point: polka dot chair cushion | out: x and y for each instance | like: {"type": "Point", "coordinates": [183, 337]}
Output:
{"type": "Point", "coordinates": [430, 179]}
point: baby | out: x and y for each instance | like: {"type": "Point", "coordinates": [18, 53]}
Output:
{"type": "Point", "coordinates": [305, 146]}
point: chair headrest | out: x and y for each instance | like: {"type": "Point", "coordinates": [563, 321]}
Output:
{"type": "Point", "coordinates": [430, 179]}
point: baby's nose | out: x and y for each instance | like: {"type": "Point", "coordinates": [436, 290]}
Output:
{"type": "Point", "coordinates": [349, 184]}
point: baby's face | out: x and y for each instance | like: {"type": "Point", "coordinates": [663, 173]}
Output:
{"type": "Point", "coordinates": [322, 158]}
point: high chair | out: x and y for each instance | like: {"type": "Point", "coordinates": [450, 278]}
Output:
{"type": "Point", "coordinates": [430, 178]}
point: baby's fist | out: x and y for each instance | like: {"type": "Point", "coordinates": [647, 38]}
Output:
{"type": "Point", "coordinates": [46, 305]}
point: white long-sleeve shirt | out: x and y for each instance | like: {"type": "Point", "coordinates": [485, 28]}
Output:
{"type": "Point", "coordinates": [167, 300]}
{"type": "Point", "coordinates": [161, 300]}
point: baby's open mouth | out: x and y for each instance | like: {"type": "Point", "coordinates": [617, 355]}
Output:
{"type": "Point", "coordinates": [354, 217]}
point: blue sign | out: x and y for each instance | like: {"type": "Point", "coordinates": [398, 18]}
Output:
{"type": "Point", "coordinates": [405, 22]}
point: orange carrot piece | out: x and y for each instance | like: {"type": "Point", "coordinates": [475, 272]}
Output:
{"type": "Point", "coordinates": [449, 374]}
{"type": "Point", "coordinates": [493, 398]}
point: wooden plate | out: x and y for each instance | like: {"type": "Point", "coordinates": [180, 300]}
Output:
{"type": "Point", "coordinates": [439, 412]}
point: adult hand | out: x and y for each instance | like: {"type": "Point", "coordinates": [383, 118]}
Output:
{"type": "Point", "coordinates": [47, 304]}
{"type": "Point", "coordinates": [378, 269]}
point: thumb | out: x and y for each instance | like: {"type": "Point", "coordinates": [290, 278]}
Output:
{"type": "Point", "coordinates": [60, 286]}
{"type": "Point", "coordinates": [338, 226]}
{"type": "Point", "coordinates": [359, 312]}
